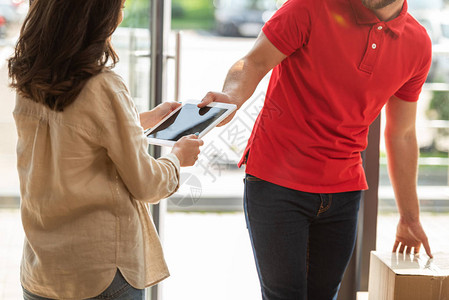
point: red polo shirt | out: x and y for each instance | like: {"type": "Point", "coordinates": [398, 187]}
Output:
{"type": "Point", "coordinates": [343, 65]}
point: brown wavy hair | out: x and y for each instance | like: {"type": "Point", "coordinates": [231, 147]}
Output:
{"type": "Point", "coordinates": [62, 44]}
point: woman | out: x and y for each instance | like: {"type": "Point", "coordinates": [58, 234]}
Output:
{"type": "Point", "coordinates": [84, 169]}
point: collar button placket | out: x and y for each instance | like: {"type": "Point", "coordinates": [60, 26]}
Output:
{"type": "Point", "coordinates": [372, 50]}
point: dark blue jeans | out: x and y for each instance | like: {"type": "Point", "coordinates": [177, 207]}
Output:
{"type": "Point", "coordinates": [119, 289]}
{"type": "Point", "coordinates": [302, 242]}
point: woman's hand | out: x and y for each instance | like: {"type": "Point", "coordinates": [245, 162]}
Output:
{"type": "Point", "coordinates": [150, 118]}
{"type": "Point", "coordinates": [187, 150]}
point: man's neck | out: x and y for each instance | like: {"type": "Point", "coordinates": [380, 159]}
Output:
{"type": "Point", "coordinates": [389, 12]}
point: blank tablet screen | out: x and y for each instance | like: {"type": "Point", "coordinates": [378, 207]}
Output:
{"type": "Point", "coordinates": [188, 120]}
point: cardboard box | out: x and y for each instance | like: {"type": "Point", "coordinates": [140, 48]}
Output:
{"type": "Point", "coordinates": [395, 276]}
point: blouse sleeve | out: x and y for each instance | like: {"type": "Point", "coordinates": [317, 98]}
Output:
{"type": "Point", "coordinates": [146, 178]}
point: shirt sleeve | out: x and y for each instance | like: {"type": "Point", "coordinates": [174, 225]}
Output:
{"type": "Point", "coordinates": [146, 178]}
{"type": "Point", "coordinates": [411, 89]}
{"type": "Point", "coordinates": [290, 27]}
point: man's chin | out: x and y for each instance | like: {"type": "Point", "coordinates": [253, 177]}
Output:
{"type": "Point", "coordinates": [377, 4]}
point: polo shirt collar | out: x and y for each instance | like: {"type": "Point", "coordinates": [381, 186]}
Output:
{"type": "Point", "coordinates": [365, 16]}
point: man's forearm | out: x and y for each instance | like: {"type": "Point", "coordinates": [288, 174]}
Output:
{"type": "Point", "coordinates": [242, 80]}
{"type": "Point", "coordinates": [403, 155]}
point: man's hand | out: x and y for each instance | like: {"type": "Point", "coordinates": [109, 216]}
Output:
{"type": "Point", "coordinates": [245, 75]}
{"type": "Point", "coordinates": [150, 118]}
{"type": "Point", "coordinates": [411, 235]}
{"type": "Point", "coordinates": [219, 97]}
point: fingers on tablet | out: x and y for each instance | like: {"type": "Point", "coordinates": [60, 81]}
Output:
{"type": "Point", "coordinates": [207, 99]}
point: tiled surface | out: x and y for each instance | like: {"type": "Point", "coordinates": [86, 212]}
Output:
{"type": "Point", "coordinates": [209, 254]}
{"type": "Point", "coordinates": [362, 296]}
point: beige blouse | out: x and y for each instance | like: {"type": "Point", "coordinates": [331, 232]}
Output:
{"type": "Point", "coordinates": [86, 180]}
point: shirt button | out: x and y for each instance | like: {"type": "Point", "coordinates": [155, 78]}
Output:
{"type": "Point", "coordinates": [374, 46]}
{"type": "Point", "coordinates": [380, 28]}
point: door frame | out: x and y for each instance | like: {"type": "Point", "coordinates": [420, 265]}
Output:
{"type": "Point", "coordinates": [160, 19]}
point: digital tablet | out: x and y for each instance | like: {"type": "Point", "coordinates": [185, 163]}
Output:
{"type": "Point", "coordinates": [188, 119]}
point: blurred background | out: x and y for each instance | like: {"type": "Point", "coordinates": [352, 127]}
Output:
{"type": "Point", "coordinates": [202, 226]}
